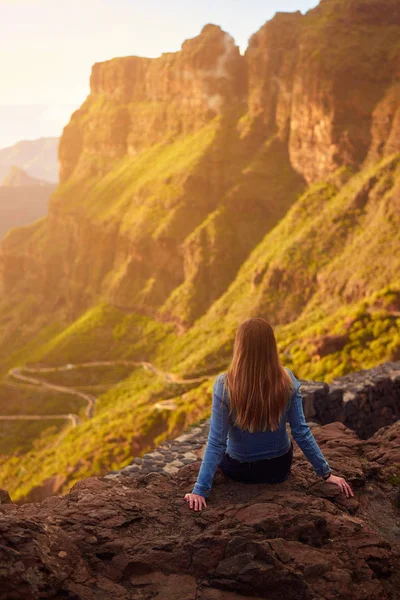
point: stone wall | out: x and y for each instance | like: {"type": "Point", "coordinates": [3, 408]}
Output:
{"type": "Point", "coordinates": [370, 398]}
{"type": "Point", "coordinates": [364, 401]}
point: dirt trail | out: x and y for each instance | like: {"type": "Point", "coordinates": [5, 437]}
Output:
{"type": "Point", "coordinates": [91, 400]}
{"type": "Point", "coordinates": [107, 363]}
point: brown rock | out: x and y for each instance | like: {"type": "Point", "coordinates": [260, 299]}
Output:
{"type": "Point", "coordinates": [5, 497]}
{"type": "Point", "coordinates": [139, 538]}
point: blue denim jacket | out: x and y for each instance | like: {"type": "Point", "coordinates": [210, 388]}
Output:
{"type": "Point", "coordinates": [246, 446]}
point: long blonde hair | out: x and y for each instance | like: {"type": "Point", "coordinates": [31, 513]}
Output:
{"type": "Point", "coordinates": [258, 384]}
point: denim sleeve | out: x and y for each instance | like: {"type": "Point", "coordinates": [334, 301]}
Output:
{"type": "Point", "coordinates": [216, 443]}
{"type": "Point", "coordinates": [302, 434]}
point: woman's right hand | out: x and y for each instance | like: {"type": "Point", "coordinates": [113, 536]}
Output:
{"type": "Point", "coordinates": [342, 483]}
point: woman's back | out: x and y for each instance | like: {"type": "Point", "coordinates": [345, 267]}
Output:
{"type": "Point", "coordinates": [247, 446]}
{"type": "Point", "coordinates": [244, 445]}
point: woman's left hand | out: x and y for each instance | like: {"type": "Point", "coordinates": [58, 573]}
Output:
{"type": "Point", "coordinates": [195, 501]}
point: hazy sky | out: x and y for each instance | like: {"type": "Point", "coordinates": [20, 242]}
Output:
{"type": "Point", "coordinates": [47, 48]}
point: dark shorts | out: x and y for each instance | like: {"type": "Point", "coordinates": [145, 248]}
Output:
{"type": "Point", "coordinates": [268, 470]}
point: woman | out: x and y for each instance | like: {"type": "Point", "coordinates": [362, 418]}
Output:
{"type": "Point", "coordinates": [250, 407]}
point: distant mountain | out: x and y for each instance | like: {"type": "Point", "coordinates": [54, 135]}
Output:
{"type": "Point", "coordinates": [23, 199]}
{"type": "Point", "coordinates": [19, 178]}
{"type": "Point", "coordinates": [37, 157]}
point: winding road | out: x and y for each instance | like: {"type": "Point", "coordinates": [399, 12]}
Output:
{"type": "Point", "coordinates": [28, 381]}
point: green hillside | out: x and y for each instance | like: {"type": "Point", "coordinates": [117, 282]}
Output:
{"type": "Point", "coordinates": [326, 339]}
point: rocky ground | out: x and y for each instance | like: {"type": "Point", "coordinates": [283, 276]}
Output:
{"type": "Point", "coordinates": [134, 536]}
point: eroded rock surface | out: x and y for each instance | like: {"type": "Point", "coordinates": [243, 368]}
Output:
{"type": "Point", "coordinates": [136, 537]}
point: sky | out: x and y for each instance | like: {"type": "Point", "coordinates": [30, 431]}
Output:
{"type": "Point", "coordinates": [47, 48]}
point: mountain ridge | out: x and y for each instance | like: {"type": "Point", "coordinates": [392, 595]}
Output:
{"type": "Point", "coordinates": [37, 157]}
{"type": "Point", "coordinates": [17, 177]}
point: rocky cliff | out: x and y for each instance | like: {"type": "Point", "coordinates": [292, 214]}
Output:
{"type": "Point", "coordinates": [175, 168]}
{"type": "Point", "coordinates": [314, 79]}
{"type": "Point", "coordinates": [136, 537]}
{"type": "Point", "coordinates": [155, 175]}
{"type": "Point", "coordinates": [137, 102]}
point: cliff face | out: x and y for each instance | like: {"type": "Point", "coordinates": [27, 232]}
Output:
{"type": "Point", "coordinates": [155, 172]}
{"type": "Point", "coordinates": [317, 79]}
{"type": "Point", "coordinates": [138, 102]}
{"type": "Point", "coordinates": [385, 131]}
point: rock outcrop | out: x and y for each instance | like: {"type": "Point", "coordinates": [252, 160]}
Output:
{"type": "Point", "coordinates": [138, 538]}
{"type": "Point", "coordinates": [137, 102]}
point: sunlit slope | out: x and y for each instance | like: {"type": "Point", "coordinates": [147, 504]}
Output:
{"type": "Point", "coordinates": [163, 234]}
{"type": "Point", "coordinates": [263, 188]}
{"type": "Point", "coordinates": [338, 243]}
{"type": "Point", "coordinates": [208, 197]}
